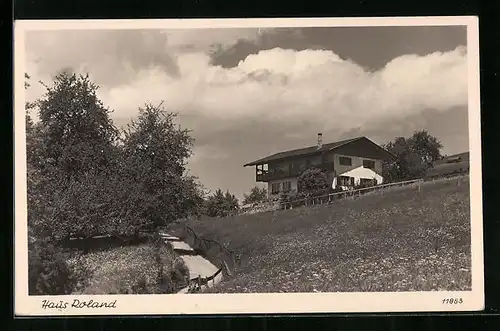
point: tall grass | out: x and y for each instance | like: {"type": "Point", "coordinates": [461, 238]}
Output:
{"type": "Point", "coordinates": [401, 240]}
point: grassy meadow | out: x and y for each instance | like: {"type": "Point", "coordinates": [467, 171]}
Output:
{"type": "Point", "coordinates": [400, 240]}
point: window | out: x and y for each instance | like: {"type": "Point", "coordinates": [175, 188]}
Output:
{"type": "Point", "coordinates": [287, 186]}
{"type": "Point", "coordinates": [275, 188]}
{"type": "Point", "coordinates": [369, 164]}
{"type": "Point", "coordinates": [345, 181]}
{"type": "Point", "coordinates": [366, 182]}
{"type": "Point", "coordinates": [345, 161]}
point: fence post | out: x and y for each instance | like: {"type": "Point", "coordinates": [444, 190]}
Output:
{"type": "Point", "coordinates": [419, 186]}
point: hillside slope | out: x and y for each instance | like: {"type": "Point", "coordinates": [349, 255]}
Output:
{"type": "Point", "coordinates": [403, 240]}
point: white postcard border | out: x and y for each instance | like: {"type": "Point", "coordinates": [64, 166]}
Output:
{"type": "Point", "coordinates": [26, 305]}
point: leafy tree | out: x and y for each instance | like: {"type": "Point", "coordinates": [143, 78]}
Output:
{"type": "Point", "coordinates": [73, 142]}
{"type": "Point", "coordinates": [155, 155]}
{"type": "Point", "coordinates": [313, 181]}
{"type": "Point", "coordinates": [84, 179]}
{"type": "Point", "coordinates": [78, 133]}
{"type": "Point", "coordinates": [414, 156]}
{"type": "Point", "coordinates": [256, 195]}
{"type": "Point", "coordinates": [220, 204]}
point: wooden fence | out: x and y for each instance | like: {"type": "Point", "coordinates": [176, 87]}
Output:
{"type": "Point", "coordinates": [329, 198]}
{"type": "Point", "coordinates": [195, 284]}
{"type": "Point", "coordinates": [224, 258]}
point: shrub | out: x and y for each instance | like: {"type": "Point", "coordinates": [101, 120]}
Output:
{"type": "Point", "coordinates": [179, 274]}
{"type": "Point", "coordinates": [49, 274]}
{"type": "Point", "coordinates": [313, 181]}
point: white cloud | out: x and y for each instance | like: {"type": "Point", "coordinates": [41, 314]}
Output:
{"type": "Point", "coordinates": [273, 84]}
{"type": "Point", "coordinates": [280, 84]}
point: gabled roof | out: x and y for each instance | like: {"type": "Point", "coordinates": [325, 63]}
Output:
{"type": "Point", "coordinates": [306, 151]}
{"type": "Point", "coordinates": [461, 157]}
{"type": "Point", "coordinates": [451, 164]}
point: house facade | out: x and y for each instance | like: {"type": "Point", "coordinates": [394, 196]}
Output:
{"type": "Point", "coordinates": [347, 163]}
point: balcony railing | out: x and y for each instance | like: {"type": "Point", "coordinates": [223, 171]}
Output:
{"type": "Point", "coordinates": [275, 174]}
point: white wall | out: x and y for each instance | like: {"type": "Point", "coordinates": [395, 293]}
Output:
{"type": "Point", "coordinates": [356, 162]}
{"type": "Point", "coordinates": [360, 173]}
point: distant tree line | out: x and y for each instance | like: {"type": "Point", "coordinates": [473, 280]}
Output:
{"type": "Point", "coordinates": [256, 195]}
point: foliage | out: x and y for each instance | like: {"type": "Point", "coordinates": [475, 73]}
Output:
{"type": "Point", "coordinates": [346, 246]}
{"type": "Point", "coordinates": [83, 180]}
{"type": "Point", "coordinates": [86, 179]}
{"type": "Point", "coordinates": [220, 204]}
{"type": "Point", "coordinates": [256, 195]}
{"type": "Point", "coordinates": [49, 274]}
{"type": "Point", "coordinates": [312, 181]}
{"type": "Point", "coordinates": [78, 133]}
{"type": "Point", "coordinates": [74, 140]}
{"type": "Point", "coordinates": [155, 155]}
{"type": "Point", "coordinates": [414, 156]}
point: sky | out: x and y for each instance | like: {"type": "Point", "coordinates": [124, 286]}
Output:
{"type": "Point", "coordinates": [248, 93]}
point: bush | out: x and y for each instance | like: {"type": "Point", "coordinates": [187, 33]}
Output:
{"type": "Point", "coordinates": [179, 274]}
{"type": "Point", "coordinates": [312, 181]}
{"type": "Point", "coordinates": [49, 274]}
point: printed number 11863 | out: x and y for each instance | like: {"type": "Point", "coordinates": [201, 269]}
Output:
{"type": "Point", "coordinates": [452, 301]}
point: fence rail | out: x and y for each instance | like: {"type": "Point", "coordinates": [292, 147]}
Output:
{"type": "Point", "coordinates": [328, 198]}
{"type": "Point", "coordinates": [205, 244]}
{"type": "Point", "coordinates": [195, 284]}
{"type": "Point", "coordinates": [214, 250]}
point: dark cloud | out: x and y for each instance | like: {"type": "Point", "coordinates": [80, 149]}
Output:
{"type": "Point", "coordinates": [143, 49]}
{"type": "Point", "coordinates": [111, 57]}
{"type": "Point", "coordinates": [370, 47]}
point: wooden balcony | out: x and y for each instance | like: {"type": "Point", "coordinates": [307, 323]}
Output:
{"type": "Point", "coordinates": [276, 174]}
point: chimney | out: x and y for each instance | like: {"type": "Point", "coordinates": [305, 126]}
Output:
{"type": "Point", "coordinates": [320, 140]}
